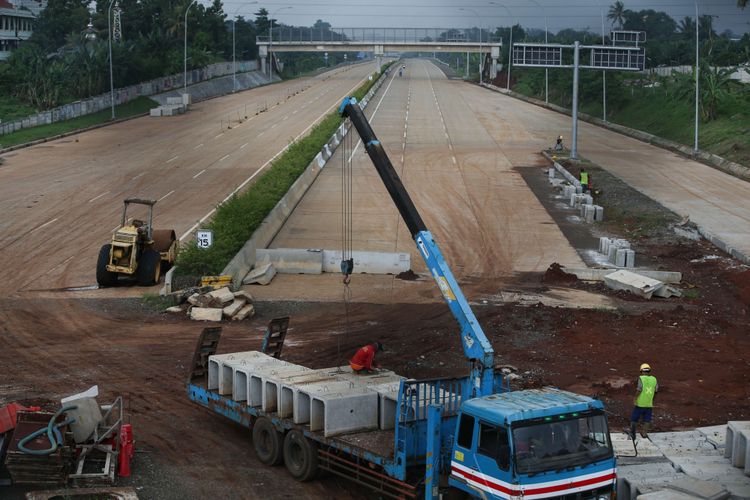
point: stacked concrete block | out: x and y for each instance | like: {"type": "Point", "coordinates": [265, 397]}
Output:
{"type": "Point", "coordinates": [736, 448]}
{"type": "Point", "coordinates": [156, 111]}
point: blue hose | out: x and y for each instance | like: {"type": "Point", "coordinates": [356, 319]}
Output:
{"type": "Point", "coordinates": [52, 431]}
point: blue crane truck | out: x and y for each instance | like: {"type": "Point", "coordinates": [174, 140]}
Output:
{"type": "Point", "coordinates": [471, 434]}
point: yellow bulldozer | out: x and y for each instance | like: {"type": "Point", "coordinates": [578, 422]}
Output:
{"type": "Point", "coordinates": [137, 250]}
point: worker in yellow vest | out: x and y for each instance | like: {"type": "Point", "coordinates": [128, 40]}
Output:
{"type": "Point", "coordinates": [644, 401]}
{"type": "Point", "coordinates": [584, 178]}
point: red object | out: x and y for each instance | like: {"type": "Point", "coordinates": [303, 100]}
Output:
{"type": "Point", "coordinates": [8, 415]}
{"type": "Point", "coordinates": [363, 359]}
{"type": "Point", "coordinates": [127, 450]}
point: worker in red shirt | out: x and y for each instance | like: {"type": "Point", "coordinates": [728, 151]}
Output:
{"type": "Point", "coordinates": [363, 361]}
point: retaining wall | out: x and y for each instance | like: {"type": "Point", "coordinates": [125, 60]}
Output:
{"type": "Point", "coordinates": [126, 94]}
{"type": "Point", "coordinates": [244, 261]}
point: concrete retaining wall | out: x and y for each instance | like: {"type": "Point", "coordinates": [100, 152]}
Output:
{"type": "Point", "coordinates": [126, 94]}
{"type": "Point", "coordinates": [241, 264]}
{"type": "Point", "coordinates": [706, 158]}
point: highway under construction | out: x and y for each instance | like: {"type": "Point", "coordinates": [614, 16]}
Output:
{"type": "Point", "coordinates": [566, 299]}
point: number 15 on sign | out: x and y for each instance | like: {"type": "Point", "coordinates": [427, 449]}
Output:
{"type": "Point", "coordinates": [204, 238]}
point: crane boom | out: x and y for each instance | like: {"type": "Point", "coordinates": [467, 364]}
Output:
{"type": "Point", "coordinates": [477, 348]}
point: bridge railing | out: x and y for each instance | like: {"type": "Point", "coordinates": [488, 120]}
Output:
{"type": "Point", "coordinates": [292, 34]}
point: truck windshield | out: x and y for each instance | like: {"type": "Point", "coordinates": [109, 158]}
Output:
{"type": "Point", "coordinates": [560, 444]}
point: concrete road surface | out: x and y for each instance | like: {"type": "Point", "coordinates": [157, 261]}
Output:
{"type": "Point", "coordinates": [61, 200]}
{"type": "Point", "coordinates": [718, 202]}
{"type": "Point", "coordinates": [488, 223]}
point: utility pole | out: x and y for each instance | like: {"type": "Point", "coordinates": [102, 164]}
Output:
{"type": "Point", "coordinates": [697, 73]}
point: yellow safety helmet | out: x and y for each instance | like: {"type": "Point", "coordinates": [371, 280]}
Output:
{"type": "Point", "coordinates": [645, 367]}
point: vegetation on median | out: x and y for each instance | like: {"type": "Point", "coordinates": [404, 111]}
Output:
{"type": "Point", "coordinates": [133, 108]}
{"type": "Point", "coordinates": [237, 219]}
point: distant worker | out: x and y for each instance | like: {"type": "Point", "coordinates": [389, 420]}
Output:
{"type": "Point", "coordinates": [644, 401]}
{"type": "Point", "coordinates": [559, 144]}
{"type": "Point", "coordinates": [363, 361]}
{"type": "Point", "coordinates": [584, 178]}
{"type": "Point", "coordinates": [400, 71]}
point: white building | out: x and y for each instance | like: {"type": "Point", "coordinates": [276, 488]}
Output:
{"type": "Point", "coordinates": [15, 27]}
{"type": "Point", "coordinates": [35, 6]}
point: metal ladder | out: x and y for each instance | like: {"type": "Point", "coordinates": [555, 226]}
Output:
{"type": "Point", "coordinates": [273, 340]}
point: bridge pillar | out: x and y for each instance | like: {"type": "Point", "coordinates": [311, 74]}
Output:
{"type": "Point", "coordinates": [263, 54]}
{"type": "Point", "coordinates": [379, 52]}
{"type": "Point", "coordinates": [495, 55]}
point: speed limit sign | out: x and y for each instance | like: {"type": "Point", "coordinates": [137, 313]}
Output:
{"type": "Point", "coordinates": [204, 238]}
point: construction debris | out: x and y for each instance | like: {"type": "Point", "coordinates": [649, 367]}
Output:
{"type": "Point", "coordinates": [640, 285]}
{"type": "Point", "coordinates": [261, 275]}
{"type": "Point", "coordinates": [207, 304]}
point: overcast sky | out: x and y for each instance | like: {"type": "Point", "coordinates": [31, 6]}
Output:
{"type": "Point", "coordinates": [447, 14]}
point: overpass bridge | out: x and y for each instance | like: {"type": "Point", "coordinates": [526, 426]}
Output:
{"type": "Point", "coordinates": [379, 41]}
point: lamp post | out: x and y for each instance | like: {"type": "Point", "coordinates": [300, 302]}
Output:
{"type": "Point", "coordinates": [697, 71]}
{"type": "Point", "coordinates": [185, 60]}
{"type": "Point", "coordinates": [111, 73]}
{"type": "Point", "coordinates": [604, 74]}
{"type": "Point", "coordinates": [270, 38]}
{"type": "Point", "coordinates": [234, 62]}
{"type": "Point", "coordinates": [546, 70]}
{"type": "Point", "coordinates": [481, 61]}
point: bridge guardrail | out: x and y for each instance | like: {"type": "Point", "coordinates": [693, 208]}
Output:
{"type": "Point", "coordinates": [376, 35]}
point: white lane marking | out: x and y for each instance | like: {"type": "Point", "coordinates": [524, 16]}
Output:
{"type": "Point", "coordinates": [97, 197]}
{"type": "Point", "coordinates": [219, 135]}
{"type": "Point", "coordinates": [172, 191]}
{"type": "Point", "coordinates": [454, 160]}
{"type": "Point", "coordinates": [244, 146]}
{"type": "Point", "coordinates": [295, 111]}
{"type": "Point", "coordinates": [373, 114]}
{"type": "Point", "coordinates": [274, 125]}
{"type": "Point", "coordinates": [43, 225]}
{"type": "Point", "coordinates": [285, 118]}
{"type": "Point", "coordinates": [224, 157]}
{"type": "Point", "coordinates": [173, 158]}
{"type": "Point", "coordinates": [134, 178]}
{"type": "Point", "coordinates": [199, 173]}
{"type": "Point", "coordinates": [269, 161]}
{"type": "Point", "coordinates": [261, 134]}
{"type": "Point", "coordinates": [198, 146]}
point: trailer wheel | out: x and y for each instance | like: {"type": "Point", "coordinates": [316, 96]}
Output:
{"type": "Point", "coordinates": [267, 442]}
{"type": "Point", "coordinates": [104, 277]}
{"type": "Point", "coordinates": [300, 456]}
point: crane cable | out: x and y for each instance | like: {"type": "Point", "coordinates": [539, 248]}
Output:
{"type": "Point", "coordinates": [347, 262]}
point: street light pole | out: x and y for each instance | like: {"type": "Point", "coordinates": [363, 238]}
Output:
{"type": "Point", "coordinates": [604, 75]}
{"type": "Point", "coordinates": [510, 55]}
{"type": "Point", "coordinates": [546, 70]}
{"type": "Point", "coordinates": [234, 62]}
{"type": "Point", "coordinates": [270, 39]}
{"type": "Point", "coordinates": [111, 73]}
{"type": "Point", "coordinates": [481, 61]}
{"type": "Point", "coordinates": [697, 72]}
{"type": "Point", "coordinates": [185, 61]}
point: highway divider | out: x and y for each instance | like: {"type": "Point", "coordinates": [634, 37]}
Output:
{"type": "Point", "coordinates": [252, 219]}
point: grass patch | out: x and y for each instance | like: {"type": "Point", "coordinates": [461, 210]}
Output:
{"type": "Point", "coordinates": [12, 109]}
{"type": "Point", "coordinates": [691, 293]}
{"type": "Point", "coordinates": [132, 108]}
{"type": "Point", "coordinates": [157, 302]}
{"type": "Point", "coordinates": [237, 219]}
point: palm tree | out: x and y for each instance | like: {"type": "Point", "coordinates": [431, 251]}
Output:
{"type": "Point", "coordinates": [617, 13]}
{"type": "Point", "coordinates": [687, 27]}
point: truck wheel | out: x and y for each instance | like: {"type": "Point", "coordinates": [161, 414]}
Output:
{"type": "Point", "coordinates": [104, 277]}
{"type": "Point", "coordinates": [149, 268]}
{"type": "Point", "coordinates": [300, 456]}
{"type": "Point", "coordinates": [267, 442]}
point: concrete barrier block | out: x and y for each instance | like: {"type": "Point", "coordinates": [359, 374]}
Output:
{"type": "Point", "coordinates": [629, 258]}
{"type": "Point", "coordinates": [368, 262]}
{"type": "Point", "coordinates": [599, 215]}
{"type": "Point", "coordinates": [551, 173]}
{"type": "Point", "coordinates": [187, 99]}
{"type": "Point", "coordinates": [733, 428]}
{"type": "Point", "coordinates": [156, 111]}
{"type": "Point", "coordinates": [319, 160]}
{"type": "Point", "coordinates": [603, 245]}
{"type": "Point", "coordinates": [291, 260]}
{"type": "Point", "coordinates": [205, 313]}
{"type": "Point", "coordinates": [621, 257]}
{"type": "Point", "coordinates": [740, 447]}
{"type": "Point", "coordinates": [632, 282]}
{"type": "Point", "coordinates": [247, 311]}
{"type": "Point", "coordinates": [174, 100]}
{"type": "Point", "coordinates": [303, 397]}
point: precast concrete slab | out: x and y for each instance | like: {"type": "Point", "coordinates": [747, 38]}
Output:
{"type": "Point", "coordinates": [633, 480]}
{"type": "Point", "coordinates": [239, 372]}
{"type": "Point", "coordinates": [715, 469]}
{"type": "Point", "coordinates": [215, 362]}
{"type": "Point", "coordinates": [666, 494]}
{"type": "Point", "coordinates": [683, 443]}
{"type": "Point", "coordinates": [272, 383]}
{"type": "Point", "coordinates": [291, 260]}
{"type": "Point", "coordinates": [250, 377]}
{"type": "Point", "coordinates": [369, 262]}
{"type": "Point", "coordinates": [623, 446]}
{"type": "Point", "coordinates": [290, 388]}
{"type": "Point", "coordinates": [697, 488]}
{"type": "Point", "coordinates": [715, 434]}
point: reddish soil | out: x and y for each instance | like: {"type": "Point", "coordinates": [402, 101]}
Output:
{"type": "Point", "coordinates": [556, 276]}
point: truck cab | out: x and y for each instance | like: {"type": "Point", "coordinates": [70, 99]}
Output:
{"type": "Point", "coordinates": [533, 444]}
